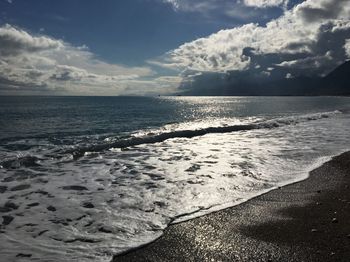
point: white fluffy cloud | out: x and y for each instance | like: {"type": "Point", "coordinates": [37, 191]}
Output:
{"type": "Point", "coordinates": [40, 63]}
{"type": "Point", "coordinates": [312, 34]}
{"type": "Point", "coordinates": [15, 41]}
{"type": "Point", "coordinates": [265, 3]}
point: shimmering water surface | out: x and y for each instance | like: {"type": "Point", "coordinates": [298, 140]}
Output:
{"type": "Point", "coordinates": [83, 178]}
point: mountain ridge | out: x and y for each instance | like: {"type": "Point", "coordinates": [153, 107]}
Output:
{"type": "Point", "coordinates": [337, 82]}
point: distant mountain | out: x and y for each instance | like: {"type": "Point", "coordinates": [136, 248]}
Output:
{"type": "Point", "coordinates": [338, 81]}
{"type": "Point", "coordinates": [341, 73]}
{"type": "Point", "coordinates": [249, 84]}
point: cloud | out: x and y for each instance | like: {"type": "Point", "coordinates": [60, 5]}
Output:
{"type": "Point", "coordinates": [213, 10]}
{"type": "Point", "coordinates": [206, 5]}
{"type": "Point", "coordinates": [347, 48]}
{"type": "Point", "coordinates": [311, 35]}
{"type": "Point", "coordinates": [193, 5]}
{"type": "Point", "coordinates": [310, 39]}
{"type": "Point", "coordinates": [265, 3]}
{"type": "Point", "coordinates": [313, 11]}
{"type": "Point", "coordinates": [43, 64]}
{"type": "Point", "coordinates": [14, 41]}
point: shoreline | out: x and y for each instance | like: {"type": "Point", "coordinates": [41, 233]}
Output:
{"type": "Point", "coordinates": [302, 221]}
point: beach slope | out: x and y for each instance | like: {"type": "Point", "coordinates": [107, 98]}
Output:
{"type": "Point", "coordinates": [305, 221]}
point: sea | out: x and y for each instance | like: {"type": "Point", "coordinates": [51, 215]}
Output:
{"type": "Point", "coordinates": [84, 178]}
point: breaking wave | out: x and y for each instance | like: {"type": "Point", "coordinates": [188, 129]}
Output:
{"type": "Point", "coordinates": [160, 137]}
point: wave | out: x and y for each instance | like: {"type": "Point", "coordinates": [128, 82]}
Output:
{"type": "Point", "coordinates": [77, 152]}
{"type": "Point", "coordinates": [157, 138]}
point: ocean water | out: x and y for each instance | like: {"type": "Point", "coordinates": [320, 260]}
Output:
{"type": "Point", "coordinates": [83, 178]}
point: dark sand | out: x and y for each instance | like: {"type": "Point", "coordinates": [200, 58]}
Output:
{"type": "Point", "coordinates": [305, 221]}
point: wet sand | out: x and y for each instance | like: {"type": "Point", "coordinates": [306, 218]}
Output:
{"type": "Point", "coordinates": [305, 221]}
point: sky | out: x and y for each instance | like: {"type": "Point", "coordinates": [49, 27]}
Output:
{"type": "Point", "coordinates": [151, 47]}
